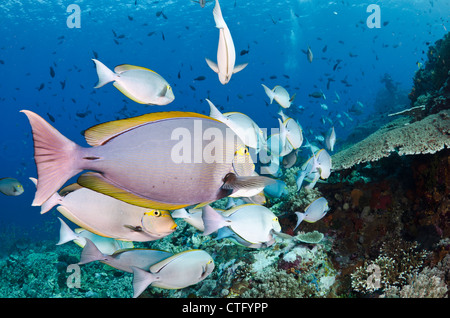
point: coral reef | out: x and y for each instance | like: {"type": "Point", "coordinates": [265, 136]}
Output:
{"type": "Point", "coordinates": [397, 261]}
{"type": "Point", "coordinates": [432, 82]}
{"type": "Point", "coordinates": [428, 135]}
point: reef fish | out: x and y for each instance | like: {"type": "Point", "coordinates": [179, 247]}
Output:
{"type": "Point", "coordinates": [309, 55]}
{"type": "Point", "coordinates": [11, 186]}
{"type": "Point", "coordinates": [330, 139]}
{"type": "Point", "coordinates": [313, 212]}
{"type": "Point", "coordinates": [254, 224]}
{"type": "Point", "coordinates": [242, 125]}
{"type": "Point", "coordinates": [80, 236]}
{"type": "Point", "coordinates": [123, 259]}
{"type": "Point", "coordinates": [140, 84]}
{"type": "Point", "coordinates": [178, 271]}
{"type": "Point", "coordinates": [160, 160]}
{"type": "Point", "coordinates": [280, 94]}
{"type": "Point", "coordinates": [106, 216]}
{"type": "Point", "coordinates": [226, 54]}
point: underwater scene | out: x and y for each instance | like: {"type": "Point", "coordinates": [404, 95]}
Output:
{"type": "Point", "coordinates": [194, 149]}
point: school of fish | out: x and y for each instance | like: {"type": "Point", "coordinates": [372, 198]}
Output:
{"type": "Point", "coordinates": [140, 174]}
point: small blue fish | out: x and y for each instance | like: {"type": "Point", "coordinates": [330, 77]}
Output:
{"type": "Point", "coordinates": [313, 212]}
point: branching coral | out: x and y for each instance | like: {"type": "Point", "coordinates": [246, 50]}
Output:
{"type": "Point", "coordinates": [398, 260]}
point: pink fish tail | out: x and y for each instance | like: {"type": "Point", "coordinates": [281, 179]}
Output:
{"type": "Point", "coordinates": [91, 253]}
{"type": "Point", "coordinates": [141, 280]}
{"type": "Point", "coordinates": [55, 157]}
{"type": "Point", "coordinates": [212, 220]}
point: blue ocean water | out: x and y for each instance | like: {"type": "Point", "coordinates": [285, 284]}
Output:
{"type": "Point", "coordinates": [173, 38]}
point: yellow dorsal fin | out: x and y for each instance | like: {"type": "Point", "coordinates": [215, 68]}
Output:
{"type": "Point", "coordinates": [100, 134]}
{"type": "Point", "coordinates": [95, 181]}
{"type": "Point", "coordinates": [127, 67]}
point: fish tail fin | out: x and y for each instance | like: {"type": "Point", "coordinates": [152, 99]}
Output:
{"type": "Point", "coordinates": [54, 199]}
{"type": "Point", "coordinates": [269, 92]}
{"type": "Point", "coordinates": [218, 18]}
{"type": "Point", "coordinates": [300, 218]}
{"type": "Point", "coordinates": [105, 75]}
{"type": "Point", "coordinates": [90, 253]}
{"type": "Point", "coordinates": [212, 220]}
{"type": "Point", "coordinates": [141, 280]}
{"type": "Point", "coordinates": [55, 157]}
{"type": "Point", "coordinates": [65, 233]}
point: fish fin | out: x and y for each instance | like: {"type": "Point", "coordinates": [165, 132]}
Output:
{"type": "Point", "coordinates": [105, 75]}
{"type": "Point", "coordinates": [70, 188]}
{"type": "Point", "coordinates": [95, 181]}
{"type": "Point", "coordinates": [163, 92]}
{"type": "Point", "coordinates": [201, 205]}
{"type": "Point", "coordinates": [300, 218]}
{"type": "Point", "coordinates": [282, 235]}
{"type": "Point", "coordinates": [65, 233]}
{"type": "Point", "coordinates": [55, 157]}
{"type": "Point", "coordinates": [101, 133]}
{"type": "Point", "coordinates": [235, 183]}
{"type": "Point", "coordinates": [141, 280]}
{"type": "Point", "coordinates": [91, 253]}
{"type": "Point", "coordinates": [214, 112]}
{"type": "Point", "coordinates": [180, 214]}
{"type": "Point", "coordinates": [127, 94]}
{"type": "Point", "coordinates": [238, 68]}
{"type": "Point", "coordinates": [292, 98]}
{"type": "Point", "coordinates": [212, 220]}
{"type": "Point", "coordinates": [127, 67]}
{"type": "Point", "coordinates": [269, 92]}
{"type": "Point", "coordinates": [212, 65]}
{"type": "Point", "coordinates": [218, 18]}
{"type": "Point", "coordinates": [51, 202]}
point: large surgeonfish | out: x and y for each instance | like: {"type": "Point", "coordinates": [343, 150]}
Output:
{"type": "Point", "coordinates": [226, 54]}
{"type": "Point", "coordinates": [140, 84]}
{"type": "Point", "coordinates": [80, 236]}
{"type": "Point", "coordinates": [251, 225]}
{"type": "Point", "coordinates": [107, 216]}
{"type": "Point", "coordinates": [11, 186]}
{"type": "Point", "coordinates": [177, 271]}
{"type": "Point", "coordinates": [162, 161]}
{"type": "Point", "coordinates": [123, 259]}
{"type": "Point", "coordinates": [313, 212]}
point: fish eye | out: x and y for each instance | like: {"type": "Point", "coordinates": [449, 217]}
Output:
{"type": "Point", "coordinates": [156, 213]}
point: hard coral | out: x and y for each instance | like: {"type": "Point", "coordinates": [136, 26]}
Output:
{"type": "Point", "coordinates": [428, 135]}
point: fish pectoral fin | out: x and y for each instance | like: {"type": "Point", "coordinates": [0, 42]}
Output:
{"type": "Point", "coordinates": [282, 235]}
{"type": "Point", "coordinates": [212, 65]}
{"type": "Point", "coordinates": [238, 68]}
{"type": "Point", "coordinates": [97, 182]}
{"type": "Point", "coordinates": [292, 98]}
{"type": "Point", "coordinates": [234, 182]}
{"type": "Point", "coordinates": [163, 92]}
{"type": "Point", "coordinates": [133, 228]}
